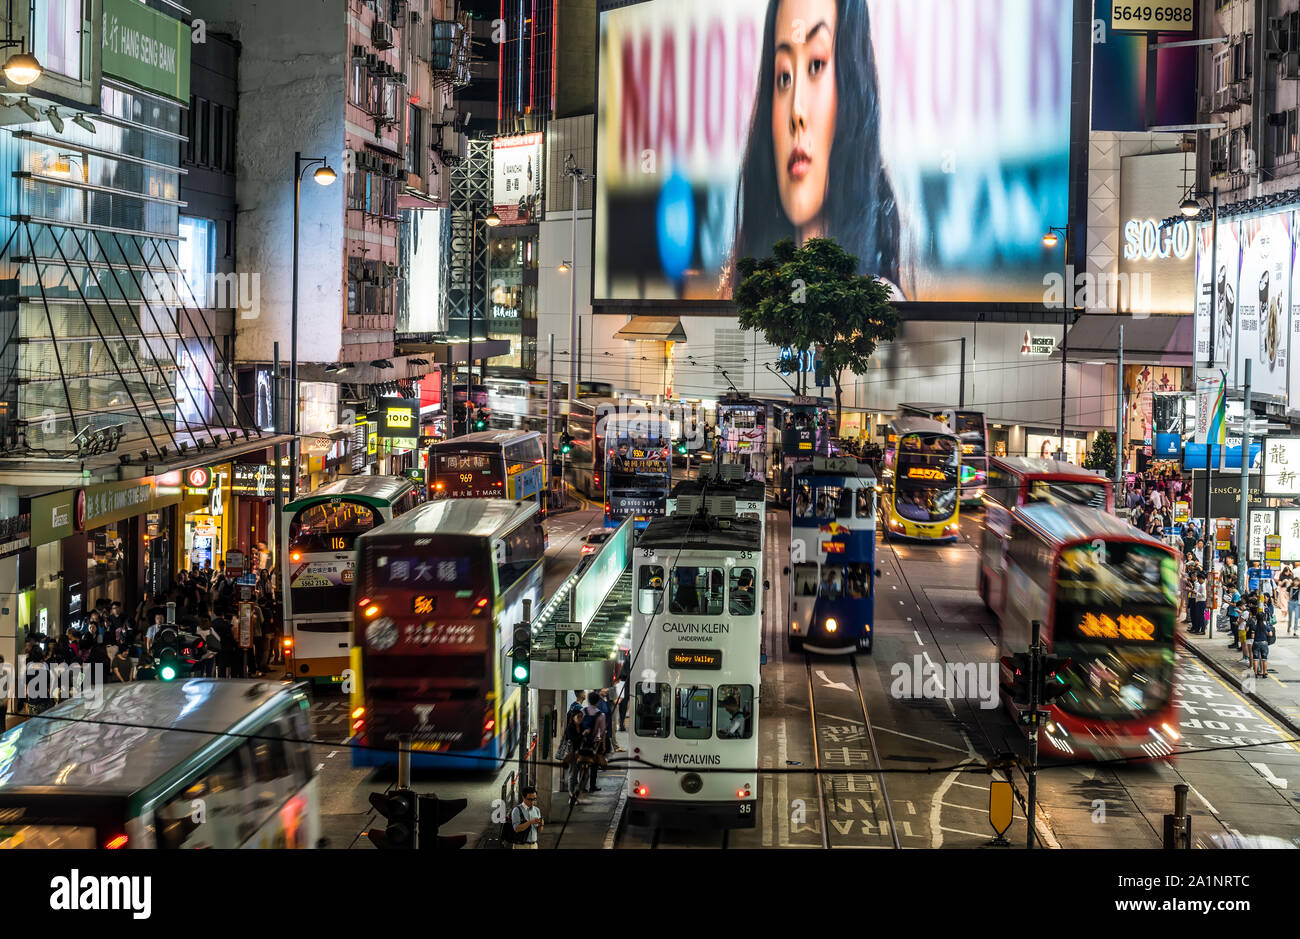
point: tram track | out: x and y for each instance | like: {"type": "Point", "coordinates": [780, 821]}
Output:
{"type": "Point", "coordinates": [854, 803]}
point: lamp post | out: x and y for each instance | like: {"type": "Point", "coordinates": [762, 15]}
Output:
{"type": "Point", "coordinates": [1050, 241]}
{"type": "Point", "coordinates": [324, 176]}
{"type": "Point", "coordinates": [492, 220]}
{"type": "Point", "coordinates": [575, 173]}
{"type": "Point", "coordinates": [21, 68]}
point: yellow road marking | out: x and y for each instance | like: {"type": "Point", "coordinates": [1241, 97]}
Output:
{"type": "Point", "coordinates": [1286, 736]}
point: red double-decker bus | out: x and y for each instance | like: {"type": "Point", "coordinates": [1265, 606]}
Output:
{"type": "Point", "coordinates": [1015, 481]}
{"type": "Point", "coordinates": [1106, 596]}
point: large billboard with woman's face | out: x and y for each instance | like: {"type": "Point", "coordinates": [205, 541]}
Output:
{"type": "Point", "coordinates": [930, 138]}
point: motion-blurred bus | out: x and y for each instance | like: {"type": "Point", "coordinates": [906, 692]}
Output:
{"type": "Point", "coordinates": [972, 431]}
{"type": "Point", "coordinates": [921, 480]}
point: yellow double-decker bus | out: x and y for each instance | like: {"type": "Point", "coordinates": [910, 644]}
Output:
{"type": "Point", "coordinates": [922, 480]}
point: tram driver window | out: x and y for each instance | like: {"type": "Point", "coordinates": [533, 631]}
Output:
{"type": "Point", "coordinates": [650, 589]}
{"type": "Point", "coordinates": [696, 590]}
{"type": "Point", "coordinates": [803, 504]}
{"type": "Point", "coordinates": [651, 715]}
{"type": "Point", "coordinates": [694, 713]}
{"type": "Point", "coordinates": [742, 591]}
{"type": "Point", "coordinates": [866, 502]}
{"type": "Point", "coordinates": [735, 712]}
{"type": "Point", "coordinates": [805, 580]}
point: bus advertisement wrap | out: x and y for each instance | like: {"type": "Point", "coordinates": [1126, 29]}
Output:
{"type": "Point", "coordinates": [941, 125]}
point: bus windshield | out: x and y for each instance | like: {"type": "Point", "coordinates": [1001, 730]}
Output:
{"type": "Point", "coordinates": [469, 474]}
{"type": "Point", "coordinates": [1092, 495]}
{"type": "Point", "coordinates": [324, 584]}
{"type": "Point", "coordinates": [1115, 607]}
{"type": "Point", "coordinates": [406, 583]}
{"type": "Point", "coordinates": [926, 480]}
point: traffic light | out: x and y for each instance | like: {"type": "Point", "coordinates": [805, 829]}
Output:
{"type": "Point", "coordinates": [681, 448]}
{"type": "Point", "coordinates": [520, 655]}
{"type": "Point", "coordinates": [1018, 688]}
{"type": "Point", "coordinates": [433, 813]}
{"type": "Point", "coordinates": [566, 443]}
{"type": "Point", "coordinates": [1052, 681]}
{"type": "Point", "coordinates": [400, 807]}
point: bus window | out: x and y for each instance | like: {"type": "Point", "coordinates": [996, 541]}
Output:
{"type": "Point", "coordinates": [652, 709]}
{"type": "Point", "coordinates": [805, 580]}
{"type": "Point", "coordinates": [742, 592]}
{"type": "Point", "coordinates": [650, 589]}
{"type": "Point", "coordinates": [523, 548]}
{"type": "Point", "coordinates": [273, 781]}
{"type": "Point", "coordinates": [735, 712]}
{"type": "Point", "coordinates": [225, 821]}
{"type": "Point", "coordinates": [697, 590]}
{"type": "Point", "coordinates": [694, 718]}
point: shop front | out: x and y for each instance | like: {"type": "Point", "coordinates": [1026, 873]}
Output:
{"type": "Point", "coordinates": [205, 516]}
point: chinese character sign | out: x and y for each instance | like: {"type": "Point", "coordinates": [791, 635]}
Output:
{"type": "Point", "coordinates": [1288, 527]}
{"type": "Point", "coordinates": [1282, 466]}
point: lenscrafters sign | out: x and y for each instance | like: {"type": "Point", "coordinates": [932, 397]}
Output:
{"type": "Point", "coordinates": [1225, 495]}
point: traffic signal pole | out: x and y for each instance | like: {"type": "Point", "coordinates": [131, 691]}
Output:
{"type": "Point", "coordinates": [1035, 670]}
{"type": "Point", "coordinates": [524, 730]}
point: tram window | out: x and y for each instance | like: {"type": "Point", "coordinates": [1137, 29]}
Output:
{"type": "Point", "coordinates": [694, 717]}
{"type": "Point", "coordinates": [650, 589]}
{"type": "Point", "coordinates": [696, 590]}
{"type": "Point", "coordinates": [651, 715]}
{"type": "Point", "coordinates": [805, 580]}
{"type": "Point", "coordinates": [735, 712]}
{"type": "Point", "coordinates": [866, 504]}
{"type": "Point", "coordinates": [828, 502]}
{"type": "Point", "coordinates": [857, 581]}
{"type": "Point", "coordinates": [802, 501]}
{"type": "Point", "coordinates": [742, 591]}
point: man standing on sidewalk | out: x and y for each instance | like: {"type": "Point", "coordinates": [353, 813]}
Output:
{"type": "Point", "coordinates": [527, 817]}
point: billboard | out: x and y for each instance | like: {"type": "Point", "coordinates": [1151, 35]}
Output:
{"type": "Point", "coordinates": [1217, 289]}
{"type": "Point", "coordinates": [1263, 302]}
{"type": "Point", "coordinates": [1136, 86]}
{"type": "Point", "coordinates": [516, 177]}
{"type": "Point", "coordinates": [929, 138]}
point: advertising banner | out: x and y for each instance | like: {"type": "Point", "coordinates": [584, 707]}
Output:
{"type": "Point", "coordinates": [1209, 401]}
{"type": "Point", "coordinates": [1281, 467]}
{"type": "Point", "coordinates": [1264, 303]}
{"type": "Point", "coordinates": [399, 417]}
{"type": "Point", "coordinates": [1263, 522]}
{"type": "Point", "coordinates": [1216, 288]}
{"type": "Point", "coordinates": [1288, 528]}
{"type": "Point", "coordinates": [1225, 499]}
{"type": "Point", "coordinates": [516, 176]}
{"type": "Point", "coordinates": [912, 116]}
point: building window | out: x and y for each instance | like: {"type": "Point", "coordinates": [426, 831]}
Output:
{"type": "Point", "coordinates": [197, 257]}
{"type": "Point", "coordinates": [56, 29]}
{"type": "Point", "coordinates": [415, 142]}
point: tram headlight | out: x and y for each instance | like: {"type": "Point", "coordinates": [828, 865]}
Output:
{"type": "Point", "coordinates": [831, 625]}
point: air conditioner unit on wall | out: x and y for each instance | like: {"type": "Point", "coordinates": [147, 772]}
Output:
{"type": "Point", "coordinates": [1291, 65]}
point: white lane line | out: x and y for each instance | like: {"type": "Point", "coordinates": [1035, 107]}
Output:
{"type": "Point", "coordinates": [331, 754]}
{"type": "Point", "coordinates": [973, 834]}
{"type": "Point", "coordinates": [319, 767]}
{"type": "Point", "coordinates": [1213, 810]}
{"type": "Point", "coordinates": [933, 743]}
{"type": "Point", "coordinates": [971, 786]}
{"type": "Point", "coordinates": [1267, 773]}
{"type": "Point", "coordinates": [782, 755]}
{"type": "Point", "coordinates": [918, 637]}
{"type": "Point", "coordinates": [969, 808]}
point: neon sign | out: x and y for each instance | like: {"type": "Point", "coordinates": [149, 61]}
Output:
{"type": "Point", "coordinates": [924, 472]}
{"type": "Point", "coordinates": [1124, 626]}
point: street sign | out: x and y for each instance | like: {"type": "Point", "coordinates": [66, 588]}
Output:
{"type": "Point", "coordinates": [1182, 511]}
{"type": "Point", "coordinates": [568, 636]}
{"type": "Point", "coordinates": [1273, 549]}
{"type": "Point", "coordinates": [1000, 809]}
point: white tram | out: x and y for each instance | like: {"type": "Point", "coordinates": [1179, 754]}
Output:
{"type": "Point", "coordinates": [695, 645]}
{"type": "Point", "coordinates": [726, 480]}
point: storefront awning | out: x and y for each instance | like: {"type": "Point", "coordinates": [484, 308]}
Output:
{"type": "Point", "coordinates": [653, 329]}
{"type": "Point", "coordinates": [1158, 339]}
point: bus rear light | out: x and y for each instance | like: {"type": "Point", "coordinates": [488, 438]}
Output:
{"type": "Point", "coordinates": [439, 486]}
{"type": "Point", "coordinates": [640, 789]}
{"type": "Point", "coordinates": [489, 724]}
{"type": "Point", "coordinates": [1170, 732]}
{"type": "Point", "coordinates": [295, 556]}
{"type": "Point", "coordinates": [358, 712]}
{"type": "Point", "coordinates": [831, 625]}
{"type": "Point", "coordinates": [743, 793]}
{"type": "Point", "coordinates": [288, 642]}
{"type": "Point", "coordinates": [117, 841]}
{"type": "Point", "coordinates": [364, 601]}
{"type": "Point", "coordinates": [372, 610]}
{"type": "Point", "coordinates": [358, 726]}
{"type": "Point", "coordinates": [482, 602]}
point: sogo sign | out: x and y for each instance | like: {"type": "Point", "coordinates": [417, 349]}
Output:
{"type": "Point", "coordinates": [1146, 240]}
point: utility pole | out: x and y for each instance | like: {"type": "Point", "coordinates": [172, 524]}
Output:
{"type": "Point", "coordinates": [961, 392]}
{"type": "Point", "coordinates": [279, 452]}
{"type": "Point", "coordinates": [550, 421]}
{"type": "Point", "coordinates": [1035, 670]}
{"type": "Point", "coordinates": [1119, 423]}
{"type": "Point", "coordinates": [1243, 530]}
{"type": "Point", "coordinates": [524, 730]}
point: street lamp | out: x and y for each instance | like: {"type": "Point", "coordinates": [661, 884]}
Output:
{"type": "Point", "coordinates": [1050, 240]}
{"type": "Point", "coordinates": [21, 68]}
{"type": "Point", "coordinates": [324, 176]}
{"type": "Point", "coordinates": [574, 172]}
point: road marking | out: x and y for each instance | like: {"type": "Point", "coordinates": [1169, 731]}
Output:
{"type": "Point", "coordinates": [832, 684]}
{"type": "Point", "coordinates": [958, 805]}
{"type": "Point", "coordinates": [1286, 736]}
{"type": "Point", "coordinates": [783, 818]}
{"type": "Point", "coordinates": [331, 754]}
{"type": "Point", "coordinates": [1267, 773]}
{"type": "Point", "coordinates": [319, 767]}
{"type": "Point", "coordinates": [962, 831]}
{"type": "Point", "coordinates": [1213, 810]}
{"type": "Point", "coordinates": [918, 637]}
{"type": "Point", "coordinates": [970, 786]}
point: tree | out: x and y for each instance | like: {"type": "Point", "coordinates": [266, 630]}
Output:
{"type": "Point", "coordinates": [813, 296]}
{"type": "Point", "coordinates": [1102, 455]}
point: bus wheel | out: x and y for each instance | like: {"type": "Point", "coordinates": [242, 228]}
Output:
{"type": "Point", "coordinates": [795, 643]}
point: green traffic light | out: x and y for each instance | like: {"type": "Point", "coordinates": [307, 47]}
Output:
{"type": "Point", "coordinates": [521, 673]}
{"type": "Point", "coordinates": [167, 673]}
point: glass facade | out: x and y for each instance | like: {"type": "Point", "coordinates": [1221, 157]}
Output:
{"type": "Point", "coordinates": [512, 298]}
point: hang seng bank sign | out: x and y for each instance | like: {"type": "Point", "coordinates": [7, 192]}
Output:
{"type": "Point", "coordinates": [146, 48]}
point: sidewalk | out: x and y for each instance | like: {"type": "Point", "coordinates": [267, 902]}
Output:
{"type": "Point", "coordinates": [1279, 693]}
{"type": "Point", "coordinates": [593, 824]}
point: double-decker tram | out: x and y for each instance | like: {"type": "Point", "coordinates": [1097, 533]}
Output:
{"type": "Point", "coordinates": [832, 557]}
{"type": "Point", "coordinates": [503, 464]}
{"type": "Point", "coordinates": [1017, 481]}
{"type": "Point", "coordinates": [696, 629]}
{"type": "Point", "coordinates": [742, 434]}
{"type": "Point", "coordinates": [439, 593]}
{"type": "Point", "coordinates": [320, 536]}
{"type": "Point", "coordinates": [727, 481]}
{"type": "Point", "coordinates": [1106, 596]}
{"type": "Point", "coordinates": [972, 432]}
{"type": "Point", "coordinates": [508, 401]}
{"type": "Point", "coordinates": [804, 435]}
{"type": "Point", "coordinates": [921, 480]}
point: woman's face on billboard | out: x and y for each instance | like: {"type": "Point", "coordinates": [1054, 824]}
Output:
{"type": "Point", "coordinates": [803, 108]}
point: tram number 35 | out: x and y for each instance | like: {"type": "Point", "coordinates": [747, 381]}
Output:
{"type": "Point", "coordinates": [746, 808]}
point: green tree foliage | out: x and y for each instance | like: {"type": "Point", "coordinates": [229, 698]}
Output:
{"type": "Point", "coordinates": [813, 297]}
{"type": "Point", "coordinates": [1102, 455]}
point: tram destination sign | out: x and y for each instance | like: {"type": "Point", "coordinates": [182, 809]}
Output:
{"type": "Point", "coordinates": [695, 658]}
